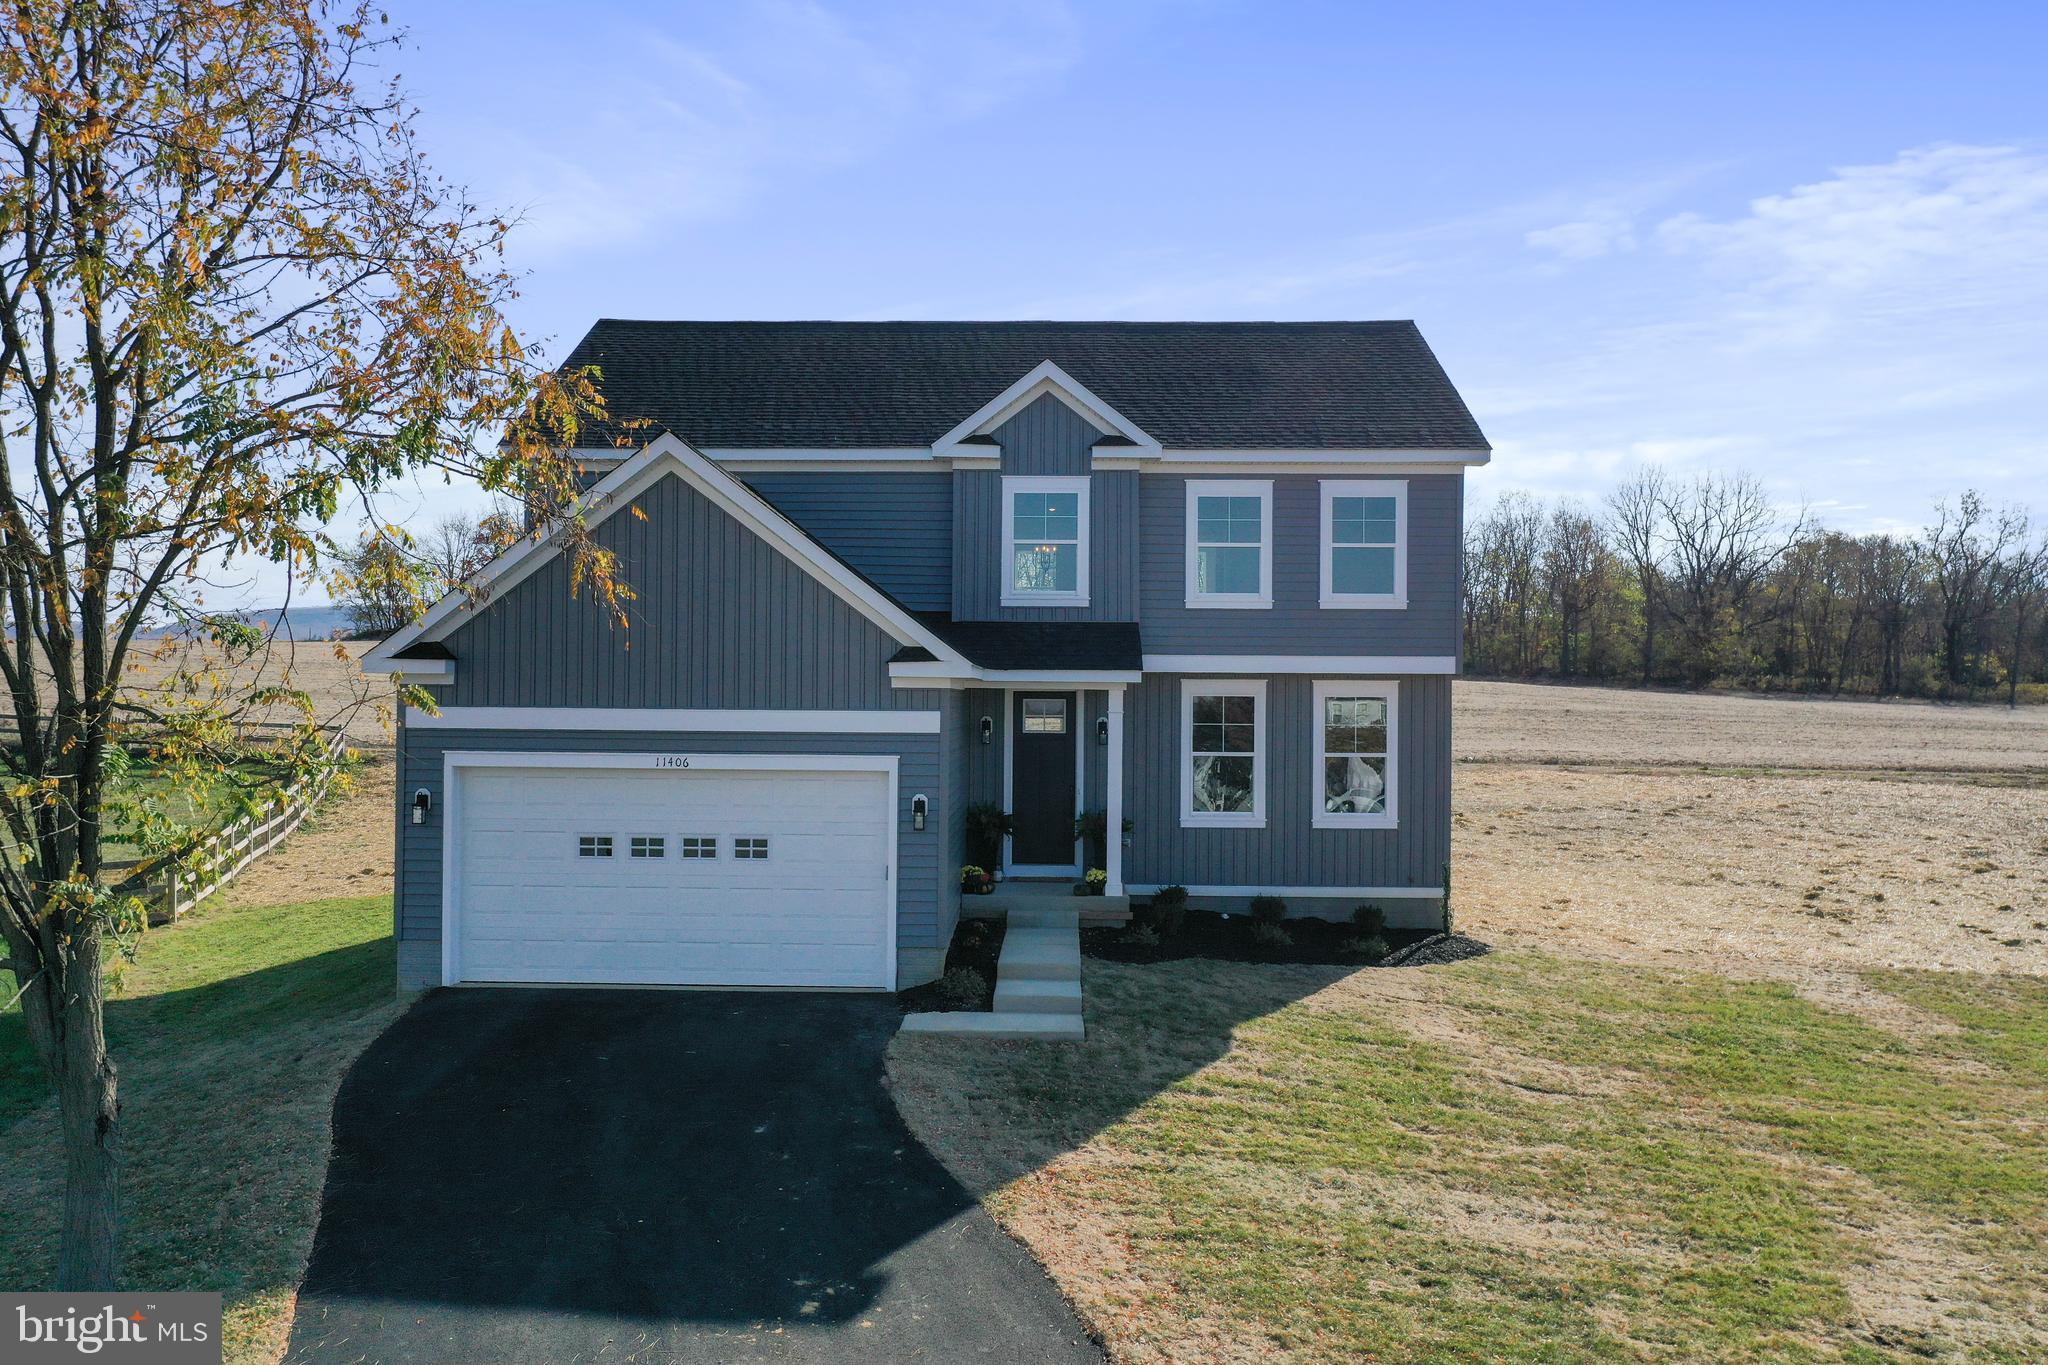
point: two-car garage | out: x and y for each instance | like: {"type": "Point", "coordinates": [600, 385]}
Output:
{"type": "Point", "coordinates": [670, 869]}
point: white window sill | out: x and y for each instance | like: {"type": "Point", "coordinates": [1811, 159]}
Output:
{"type": "Point", "coordinates": [1044, 599]}
{"type": "Point", "coordinates": [1353, 603]}
{"type": "Point", "coordinates": [1328, 820]}
{"type": "Point", "coordinates": [1230, 603]}
{"type": "Point", "coordinates": [1220, 820]}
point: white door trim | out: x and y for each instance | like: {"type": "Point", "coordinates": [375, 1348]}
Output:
{"type": "Point", "coordinates": [455, 760]}
{"type": "Point", "coordinates": [1075, 716]}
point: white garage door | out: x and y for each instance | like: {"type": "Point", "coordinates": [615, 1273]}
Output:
{"type": "Point", "coordinates": [700, 877]}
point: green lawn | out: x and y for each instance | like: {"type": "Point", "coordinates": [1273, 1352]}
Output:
{"type": "Point", "coordinates": [1520, 1158]}
{"type": "Point", "coordinates": [231, 1029]}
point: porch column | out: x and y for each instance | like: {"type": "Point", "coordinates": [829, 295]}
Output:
{"type": "Point", "coordinates": [1114, 836]}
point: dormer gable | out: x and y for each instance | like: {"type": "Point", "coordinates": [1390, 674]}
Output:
{"type": "Point", "coordinates": [974, 437]}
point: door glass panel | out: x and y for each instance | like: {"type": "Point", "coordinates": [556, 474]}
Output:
{"type": "Point", "coordinates": [1045, 715]}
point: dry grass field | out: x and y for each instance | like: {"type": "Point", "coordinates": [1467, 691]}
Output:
{"type": "Point", "coordinates": [1501, 722]}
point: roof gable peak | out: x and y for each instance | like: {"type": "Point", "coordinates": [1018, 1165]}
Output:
{"type": "Point", "coordinates": [1045, 378]}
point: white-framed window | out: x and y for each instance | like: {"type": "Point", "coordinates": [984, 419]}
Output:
{"type": "Point", "coordinates": [1230, 543]}
{"type": "Point", "coordinates": [700, 845]}
{"type": "Point", "coordinates": [1357, 773]}
{"type": "Point", "coordinates": [1045, 541]}
{"type": "Point", "coordinates": [750, 849]}
{"type": "Point", "coordinates": [593, 845]}
{"type": "Point", "coordinates": [1223, 752]}
{"type": "Point", "coordinates": [647, 846]}
{"type": "Point", "coordinates": [1365, 543]}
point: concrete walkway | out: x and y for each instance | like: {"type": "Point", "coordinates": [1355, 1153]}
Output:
{"type": "Point", "coordinates": [1038, 983]}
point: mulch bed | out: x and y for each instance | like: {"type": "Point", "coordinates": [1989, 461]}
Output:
{"type": "Point", "coordinates": [1229, 938]}
{"type": "Point", "coordinates": [1437, 950]}
{"type": "Point", "coordinates": [977, 943]}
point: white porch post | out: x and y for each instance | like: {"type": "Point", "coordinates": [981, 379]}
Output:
{"type": "Point", "coordinates": [1114, 837]}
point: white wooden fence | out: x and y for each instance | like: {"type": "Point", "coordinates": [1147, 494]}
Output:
{"type": "Point", "coordinates": [234, 846]}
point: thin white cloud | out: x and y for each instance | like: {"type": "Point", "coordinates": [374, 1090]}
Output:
{"type": "Point", "coordinates": [711, 114]}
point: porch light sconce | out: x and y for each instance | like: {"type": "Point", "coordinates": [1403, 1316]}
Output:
{"type": "Point", "coordinates": [1102, 730]}
{"type": "Point", "coordinates": [988, 730]}
{"type": "Point", "coordinates": [918, 807]}
{"type": "Point", "coordinates": [422, 802]}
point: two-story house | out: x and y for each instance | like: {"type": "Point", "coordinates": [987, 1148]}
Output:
{"type": "Point", "coordinates": [1202, 577]}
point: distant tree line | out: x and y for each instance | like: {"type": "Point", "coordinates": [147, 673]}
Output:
{"type": "Point", "coordinates": [1705, 582]}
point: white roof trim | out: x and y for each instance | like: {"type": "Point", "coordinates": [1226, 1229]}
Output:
{"type": "Point", "coordinates": [669, 454]}
{"type": "Point", "coordinates": [1349, 665]}
{"type": "Point", "coordinates": [919, 674]}
{"type": "Point", "coordinates": [1046, 378]}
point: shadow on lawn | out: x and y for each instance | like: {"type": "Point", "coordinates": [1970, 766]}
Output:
{"type": "Point", "coordinates": [997, 1116]}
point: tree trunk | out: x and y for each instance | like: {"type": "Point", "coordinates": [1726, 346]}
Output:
{"type": "Point", "coordinates": [87, 1254]}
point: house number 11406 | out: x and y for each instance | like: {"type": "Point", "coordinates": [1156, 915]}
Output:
{"type": "Point", "coordinates": [671, 760]}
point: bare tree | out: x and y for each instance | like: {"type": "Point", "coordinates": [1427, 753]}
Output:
{"type": "Point", "coordinates": [1574, 566]}
{"type": "Point", "coordinates": [1965, 546]}
{"type": "Point", "coordinates": [2022, 581]}
{"type": "Point", "coordinates": [1634, 522]}
{"type": "Point", "coordinates": [1725, 538]}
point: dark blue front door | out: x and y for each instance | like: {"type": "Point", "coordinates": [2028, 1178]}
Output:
{"type": "Point", "coordinates": [1042, 778]}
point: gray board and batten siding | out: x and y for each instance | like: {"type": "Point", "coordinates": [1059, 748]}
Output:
{"type": "Point", "coordinates": [720, 620]}
{"type": "Point", "coordinates": [1297, 623]}
{"type": "Point", "coordinates": [1289, 851]}
{"type": "Point", "coordinates": [1046, 438]}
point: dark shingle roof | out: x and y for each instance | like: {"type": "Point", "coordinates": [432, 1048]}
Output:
{"type": "Point", "coordinates": [1110, 646]}
{"type": "Point", "coordinates": [1189, 385]}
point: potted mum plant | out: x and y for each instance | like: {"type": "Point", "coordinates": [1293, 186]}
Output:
{"type": "Point", "coordinates": [975, 881]}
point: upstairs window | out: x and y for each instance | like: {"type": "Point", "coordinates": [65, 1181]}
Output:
{"type": "Point", "coordinates": [1365, 543]}
{"type": "Point", "coordinates": [1045, 535]}
{"type": "Point", "coordinates": [1230, 543]}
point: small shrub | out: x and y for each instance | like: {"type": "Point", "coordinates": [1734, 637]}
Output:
{"type": "Point", "coordinates": [1139, 936]}
{"type": "Point", "coordinates": [1372, 948]}
{"type": "Point", "coordinates": [1168, 912]}
{"type": "Point", "coordinates": [1268, 909]}
{"type": "Point", "coordinates": [962, 989]}
{"type": "Point", "coordinates": [1271, 934]}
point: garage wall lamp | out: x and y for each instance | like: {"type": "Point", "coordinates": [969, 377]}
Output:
{"type": "Point", "coordinates": [1102, 730]}
{"type": "Point", "coordinates": [422, 802]}
{"type": "Point", "coordinates": [918, 808]}
{"type": "Point", "coordinates": [988, 730]}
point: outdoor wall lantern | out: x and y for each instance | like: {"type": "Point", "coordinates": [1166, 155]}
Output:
{"type": "Point", "coordinates": [988, 730]}
{"type": "Point", "coordinates": [422, 802]}
{"type": "Point", "coordinates": [918, 807]}
{"type": "Point", "coordinates": [1102, 730]}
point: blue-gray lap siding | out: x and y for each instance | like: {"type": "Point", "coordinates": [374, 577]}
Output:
{"type": "Point", "coordinates": [1297, 623]}
{"type": "Point", "coordinates": [895, 528]}
{"type": "Point", "coordinates": [719, 620]}
{"type": "Point", "coordinates": [1288, 851]}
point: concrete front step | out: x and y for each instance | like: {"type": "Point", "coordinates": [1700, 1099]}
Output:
{"type": "Point", "coordinates": [1043, 919]}
{"type": "Point", "coordinates": [1025, 996]}
{"type": "Point", "coordinates": [1055, 1028]}
{"type": "Point", "coordinates": [1039, 955]}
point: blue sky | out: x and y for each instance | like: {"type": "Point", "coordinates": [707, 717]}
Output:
{"type": "Point", "coordinates": [1807, 241]}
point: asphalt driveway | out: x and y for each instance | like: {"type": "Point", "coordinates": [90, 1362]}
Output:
{"type": "Point", "coordinates": [575, 1175]}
